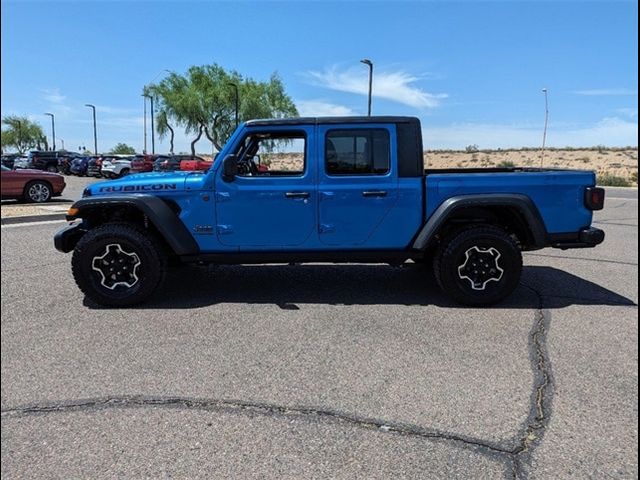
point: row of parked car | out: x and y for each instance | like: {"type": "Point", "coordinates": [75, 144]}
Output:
{"type": "Point", "coordinates": [108, 166]}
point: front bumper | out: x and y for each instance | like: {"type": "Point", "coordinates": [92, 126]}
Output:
{"type": "Point", "coordinates": [66, 239]}
{"type": "Point", "coordinates": [585, 238]}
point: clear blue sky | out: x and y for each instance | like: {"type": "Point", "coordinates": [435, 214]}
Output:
{"type": "Point", "coordinates": [472, 71]}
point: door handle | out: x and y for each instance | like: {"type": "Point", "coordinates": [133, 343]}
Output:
{"type": "Point", "coordinates": [375, 193]}
{"type": "Point", "coordinates": [297, 194]}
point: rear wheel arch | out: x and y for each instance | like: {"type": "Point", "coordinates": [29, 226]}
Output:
{"type": "Point", "coordinates": [514, 213]}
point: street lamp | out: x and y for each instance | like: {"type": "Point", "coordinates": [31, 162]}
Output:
{"type": "Point", "coordinates": [235, 86]}
{"type": "Point", "coordinates": [19, 142]}
{"type": "Point", "coordinates": [62, 141]}
{"type": "Point", "coordinates": [546, 119]}
{"type": "Point", "coordinates": [153, 141]}
{"type": "Point", "coordinates": [144, 122]}
{"type": "Point", "coordinates": [53, 129]}
{"type": "Point", "coordinates": [366, 61]}
{"type": "Point", "coordinates": [95, 132]}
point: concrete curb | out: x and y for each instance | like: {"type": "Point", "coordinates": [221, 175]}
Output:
{"type": "Point", "coordinates": [33, 218]}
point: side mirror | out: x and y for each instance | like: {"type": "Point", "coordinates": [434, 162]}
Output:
{"type": "Point", "coordinates": [229, 168]}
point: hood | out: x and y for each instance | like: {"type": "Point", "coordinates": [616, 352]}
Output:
{"type": "Point", "coordinates": [150, 183]}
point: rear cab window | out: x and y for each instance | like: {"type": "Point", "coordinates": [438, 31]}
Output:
{"type": "Point", "coordinates": [357, 152]}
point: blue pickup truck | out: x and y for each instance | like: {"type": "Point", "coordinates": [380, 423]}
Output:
{"type": "Point", "coordinates": [348, 189]}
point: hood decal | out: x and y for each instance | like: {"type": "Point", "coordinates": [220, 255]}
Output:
{"type": "Point", "coordinates": [138, 188]}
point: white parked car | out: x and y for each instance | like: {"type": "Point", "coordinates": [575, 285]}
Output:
{"type": "Point", "coordinates": [114, 167]}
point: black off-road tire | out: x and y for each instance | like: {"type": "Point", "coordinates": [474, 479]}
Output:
{"type": "Point", "coordinates": [38, 191]}
{"type": "Point", "coordinates": [472, 251]}
{"type": "Point", "coordinates": [138, 250]}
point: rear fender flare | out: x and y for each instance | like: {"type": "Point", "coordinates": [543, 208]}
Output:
{"type": "Point", "coordinates": [449, 207]}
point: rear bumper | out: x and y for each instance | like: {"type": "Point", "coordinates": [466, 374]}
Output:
{"type": "Point", "coordinates": [585, 238]}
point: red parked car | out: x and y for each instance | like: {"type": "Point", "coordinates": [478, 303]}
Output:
{"type": "Point", "coordinates": [31, 185]}
{"type": "Point", "coordinates": [142, 163]}
{"type": "Point", "coordinates": [195, 164]}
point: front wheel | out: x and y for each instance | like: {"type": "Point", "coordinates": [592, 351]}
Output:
{"type": "Point", "coordinates": [118, 265]}
{"type": "Point", "coordinates": [478, 266]}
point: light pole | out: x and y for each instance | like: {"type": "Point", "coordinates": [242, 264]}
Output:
{"type": "Point", "coordinates": [144, 94]}
{"type": "Point", "coordinates": [19, 142]}
{"type": "Point", "coordinates": [235, 86]}
{"type": "Point", "coordinates": [366, 61]}
{"type": "Point", "coordinates": [62, 140]}
{"type": "Point", "coordinates": [53, 129]}
{"type": "Point", "coordinates": [95, 132]}
{"type": "Point", "coordinates": [546, 119]}
{"type": "Point", "coordinates": [153, 141]}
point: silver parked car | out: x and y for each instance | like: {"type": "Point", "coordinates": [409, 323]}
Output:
{"type": "Point", "coordinates": [114, 167]}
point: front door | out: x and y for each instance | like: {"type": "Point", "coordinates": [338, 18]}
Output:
{"type": "Point", "coordinates": [358, 182]}
{"type": "Point", "coordinates": [271, 203]}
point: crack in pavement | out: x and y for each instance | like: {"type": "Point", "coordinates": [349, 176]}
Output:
{"type": "Point", "coordinates": [515, 458]}
{"type": "Point", "coordinates": [542, 395]}
{"type": "Point", "coordinates": [268, 409]}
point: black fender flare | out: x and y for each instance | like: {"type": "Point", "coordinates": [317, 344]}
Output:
{"type": "Point", "coordinates": [154, 208]}
{"type": "Point", "coordinates": [446, 209]}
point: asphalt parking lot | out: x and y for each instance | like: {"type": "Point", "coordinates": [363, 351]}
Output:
{"type": "Point", "coordinates": [324, 371]}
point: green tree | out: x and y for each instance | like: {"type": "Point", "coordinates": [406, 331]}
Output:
{"type": "Point", "coordinates": [123, 149]}
{"type": "Point", "coordinates": [203, 102]}
{"type": "Point", "coordinates": [22, 134]}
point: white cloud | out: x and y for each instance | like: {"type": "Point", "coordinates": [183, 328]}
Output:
{"type": "Point", "coordinates": [608, 131]}
{"type": "Point", "coordinates": [318, 108]}
{"type": "Point", "coordinates": [398, 86]}
{"type": "Point", "coordinates": [53, 95]}
{"type": "Point", "coordinates": [605, 92]}
{"type": "Point", "coordinates": [628, 112]}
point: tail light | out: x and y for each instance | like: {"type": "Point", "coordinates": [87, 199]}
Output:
{"type": "Point", "coordinates": [594, 198]}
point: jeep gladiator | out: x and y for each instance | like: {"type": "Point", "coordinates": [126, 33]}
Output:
{"type": "Point", "coordinates": [359, 193]}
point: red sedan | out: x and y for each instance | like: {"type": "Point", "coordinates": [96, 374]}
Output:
{"type": "Point", "coordinates": [31, 185]}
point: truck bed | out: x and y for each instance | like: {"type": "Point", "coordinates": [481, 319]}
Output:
{"type": "Point", "coordinates": [557, 193]}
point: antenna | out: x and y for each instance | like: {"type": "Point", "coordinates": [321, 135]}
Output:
{"type": "Point", "coordinates": [546, 119]}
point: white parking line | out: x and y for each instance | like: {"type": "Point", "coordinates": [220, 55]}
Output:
{"type": "Point", "coordinates": [28, 224]}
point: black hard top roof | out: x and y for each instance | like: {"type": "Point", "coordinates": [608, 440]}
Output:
{"type": "Point", "coordinates": [330, 120]}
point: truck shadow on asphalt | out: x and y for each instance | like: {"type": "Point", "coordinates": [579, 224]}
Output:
{"type": "Point", "coordinates": [290, 285]}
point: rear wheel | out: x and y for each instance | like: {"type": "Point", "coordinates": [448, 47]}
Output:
{"type": "Point", "coordinates": [118, 265]}
{"type": "Point", "coordinates": [52, 168]}
{"type": "Point", "coordinates": [478, 266]}
{"type": "Point", "coordinates": [37, 191]}
{"type": "Point", "coordinates": [124, 172]}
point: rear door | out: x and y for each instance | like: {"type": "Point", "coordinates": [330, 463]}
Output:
{"type": "Point", "coordinates": [358, 181]}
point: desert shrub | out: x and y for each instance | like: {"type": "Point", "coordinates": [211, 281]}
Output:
{"type": "Point", "coordinates": [474, 157]}
{"type": "Point", "coordinates": [506, 164]}
{"type": "Point", "coordinates": [634, 176]}
{"type": "Point", "coordinates": [608, 180]}
{"type": "Point", "coordinates": [584, 159]}
{"type": "Point", "coordinates": [471, 148]}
